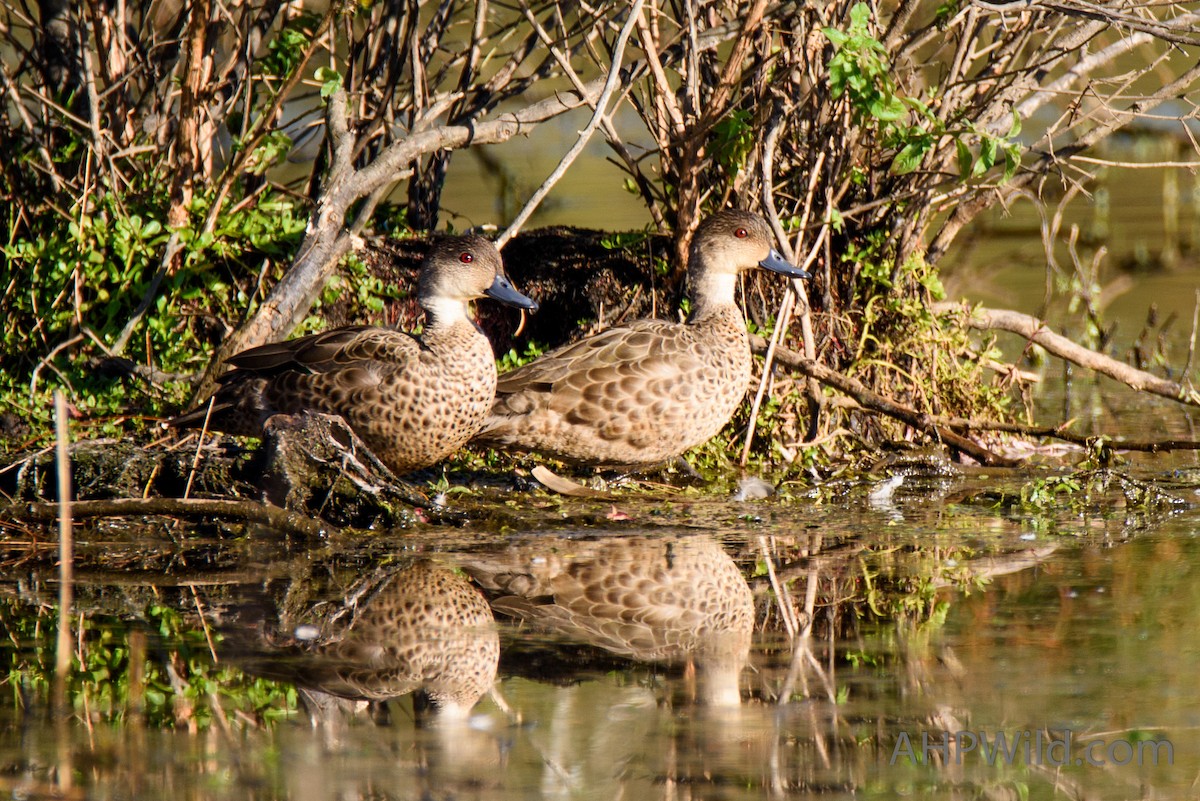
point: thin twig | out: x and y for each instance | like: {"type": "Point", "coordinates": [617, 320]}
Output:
{"type": "Point", "coordinates": [783, 317]}
{"type": "Point", "coordinates": [610, 86]}
{"type": "Point", "coordinates": [1140, 165]}
{"type": "Point", "coordinates": [187, 490]}
{"type": "Point", "coordinates": [1187, 366]}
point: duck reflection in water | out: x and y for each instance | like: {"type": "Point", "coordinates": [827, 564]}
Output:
{"type": "Point", "coordinates": [421, 629]}
{"type": "Point", "coordinates": [674, 600]}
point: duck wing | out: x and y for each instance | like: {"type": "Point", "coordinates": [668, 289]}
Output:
{"type": "Point", "coordinates": [327, 351]}
{"type": "Point", "coordinates": [279, 376]}
{"type": "Point", "coordinates": [643, 348]}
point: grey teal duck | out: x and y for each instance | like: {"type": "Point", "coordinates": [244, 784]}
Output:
{"type": "Point", "coordinates": [643, 393]}
{"type": "Point", "coordinates": [413, 400]}
{"type": "Point", "coordinates": [422, 628]}
{"type": "Point", "coordinates": [662, 599]}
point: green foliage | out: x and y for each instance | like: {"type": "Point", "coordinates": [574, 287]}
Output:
{"type": "Point", "coordinates": [286, 49]}
{"type": "Point", "coordinates": [102, 675]}
{"type": "Point", "coordinates": [1095, 490]}
{"type": "Point", "coordinates": [623, 240]}
{"type": "Point", "coordinates": [88, 268]}
{"type": "Point", "coordinates": [733, 139]}
{"type": "Point", "coordinates": [1045, 494]}
{"type": "Point", "coordinates": [271, 150]}
{"type": "Point", "coordinates": [514, 359]}
{"type": "Point", "coordinates": [353, 293]}
{"type": "Point", "coordinates": [859, 71]}
{"type": "Point", "coordinates": [330, 80]}
{"type": "Point", "coordinates": [926, 360]}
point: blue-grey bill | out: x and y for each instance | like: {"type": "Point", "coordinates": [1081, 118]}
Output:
{"type": "Point", "coordinates": [778, 264]}
{"type": "Point", "coordinates": [503, 291]}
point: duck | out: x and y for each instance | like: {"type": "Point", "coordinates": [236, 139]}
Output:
{"type": "Point", "coordinates": [412, 399]}
{"type": "Point", "coordinates": [425, 629]}
{"type": "Point", "coordinates": [642, 394]}
{"type": "Point", "coordinates": [663, 599]}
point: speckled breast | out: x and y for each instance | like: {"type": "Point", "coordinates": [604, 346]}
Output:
{"type": "Point", "coordinates": [417, 418]}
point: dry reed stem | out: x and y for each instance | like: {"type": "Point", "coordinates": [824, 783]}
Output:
{"type": "Point", "coordinates": [66, 555]}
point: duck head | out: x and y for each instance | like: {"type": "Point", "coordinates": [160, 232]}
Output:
{"type": "Point", "coordinates": [727, 244]}
{"type": "Point", "coordinates": [460, 269]}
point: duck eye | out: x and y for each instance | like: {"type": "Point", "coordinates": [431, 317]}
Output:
{"type": "Point", "coordinates": [741, 233]}
{"type": "Point", "coordinates": [466, 258]}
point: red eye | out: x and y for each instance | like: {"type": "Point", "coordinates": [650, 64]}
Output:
{"type": "Point", "coordinates": [466, 258]}
{"type": "Point", "coordinates": [741, 233]}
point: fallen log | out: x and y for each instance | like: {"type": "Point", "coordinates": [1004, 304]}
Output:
{"type": "Point", "coordinates": [926, 423]}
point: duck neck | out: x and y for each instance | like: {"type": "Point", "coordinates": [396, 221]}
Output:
{"type": "Point", "coordinates": [447, 321]}
{"type": "Point", "coordinates": [443, 314]}
{"type": "Point", "coordinates": [712, 295]}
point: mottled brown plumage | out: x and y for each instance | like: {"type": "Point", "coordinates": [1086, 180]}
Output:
{"type": "Point", "coordinates": [413, 400]}
{"type": "Point", "coordinates": [425, 629]}
{"type": "Point", "coordinates": [643, 393]}
{"type": "Point", "coordinates": [418, 628]}
{"type": "Point", "coordinates": [668, 599]}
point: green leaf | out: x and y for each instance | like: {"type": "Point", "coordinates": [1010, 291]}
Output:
{"type": "Point", "coordinates": [934, 286]}
{"type": "Point", "coordinates": [836, 220]}
{"type": "Point", "coordinates": [733, 139]}
{"type": "Point", "coordinates": [1015, 128]}
{"type": "Point", "coordinates": [271, 150]}
{"type": "Point", "coordinates": [1012, 161]}
{"type": "Point", "coordinates": [860, 15]}
{"type": "Point", "coordinates": [909, 158]}
{"type": "Point", "coordinates": [919, 107]}
{"type": "Point", "coordinates": [887, 109]}
{"type": "Point", "coordinates": [331, 81]}
{"type": "Point", "coordinates": [987, 157]}
{"type": "Point", "coordinates": [964, 159]}
{"type": "Point", "coordinates": [835, 36]}
{"type": "Point", "coordinates": [837, 79]}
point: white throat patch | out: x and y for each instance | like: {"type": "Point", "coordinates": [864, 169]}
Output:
{"type": "Point", "coordinates": [446, 310]}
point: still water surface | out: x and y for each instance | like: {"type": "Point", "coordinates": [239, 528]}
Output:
{"type": "Point", "coordinates": [940, 607]}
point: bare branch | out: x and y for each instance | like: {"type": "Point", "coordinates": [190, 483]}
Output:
{"type": "Point", "coordinates": [922, 422]}
{"type": "Point", "coordinates": [601, 113]}
{"type": "Point", "coordinates": [1036, 331]}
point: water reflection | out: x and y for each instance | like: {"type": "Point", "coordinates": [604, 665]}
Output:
{"type": "Point", "coordinates": [671, 600]}
{"type": "Point", "coordinates": [1085, 627]}
{"type": "Point", "coordinates": [420, 628]}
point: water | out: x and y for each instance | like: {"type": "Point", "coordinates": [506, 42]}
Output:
{"type": "Point", "coordinates": [937, 608]}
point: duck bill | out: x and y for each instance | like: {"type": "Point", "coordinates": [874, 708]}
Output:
{"type": "Point", "coordinates": [503, 291]}
{"type": "Point", "coordinates": [778, 264]}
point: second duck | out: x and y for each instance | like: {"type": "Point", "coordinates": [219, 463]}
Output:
{"type": "Point", "coordinates": [640, 394]}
